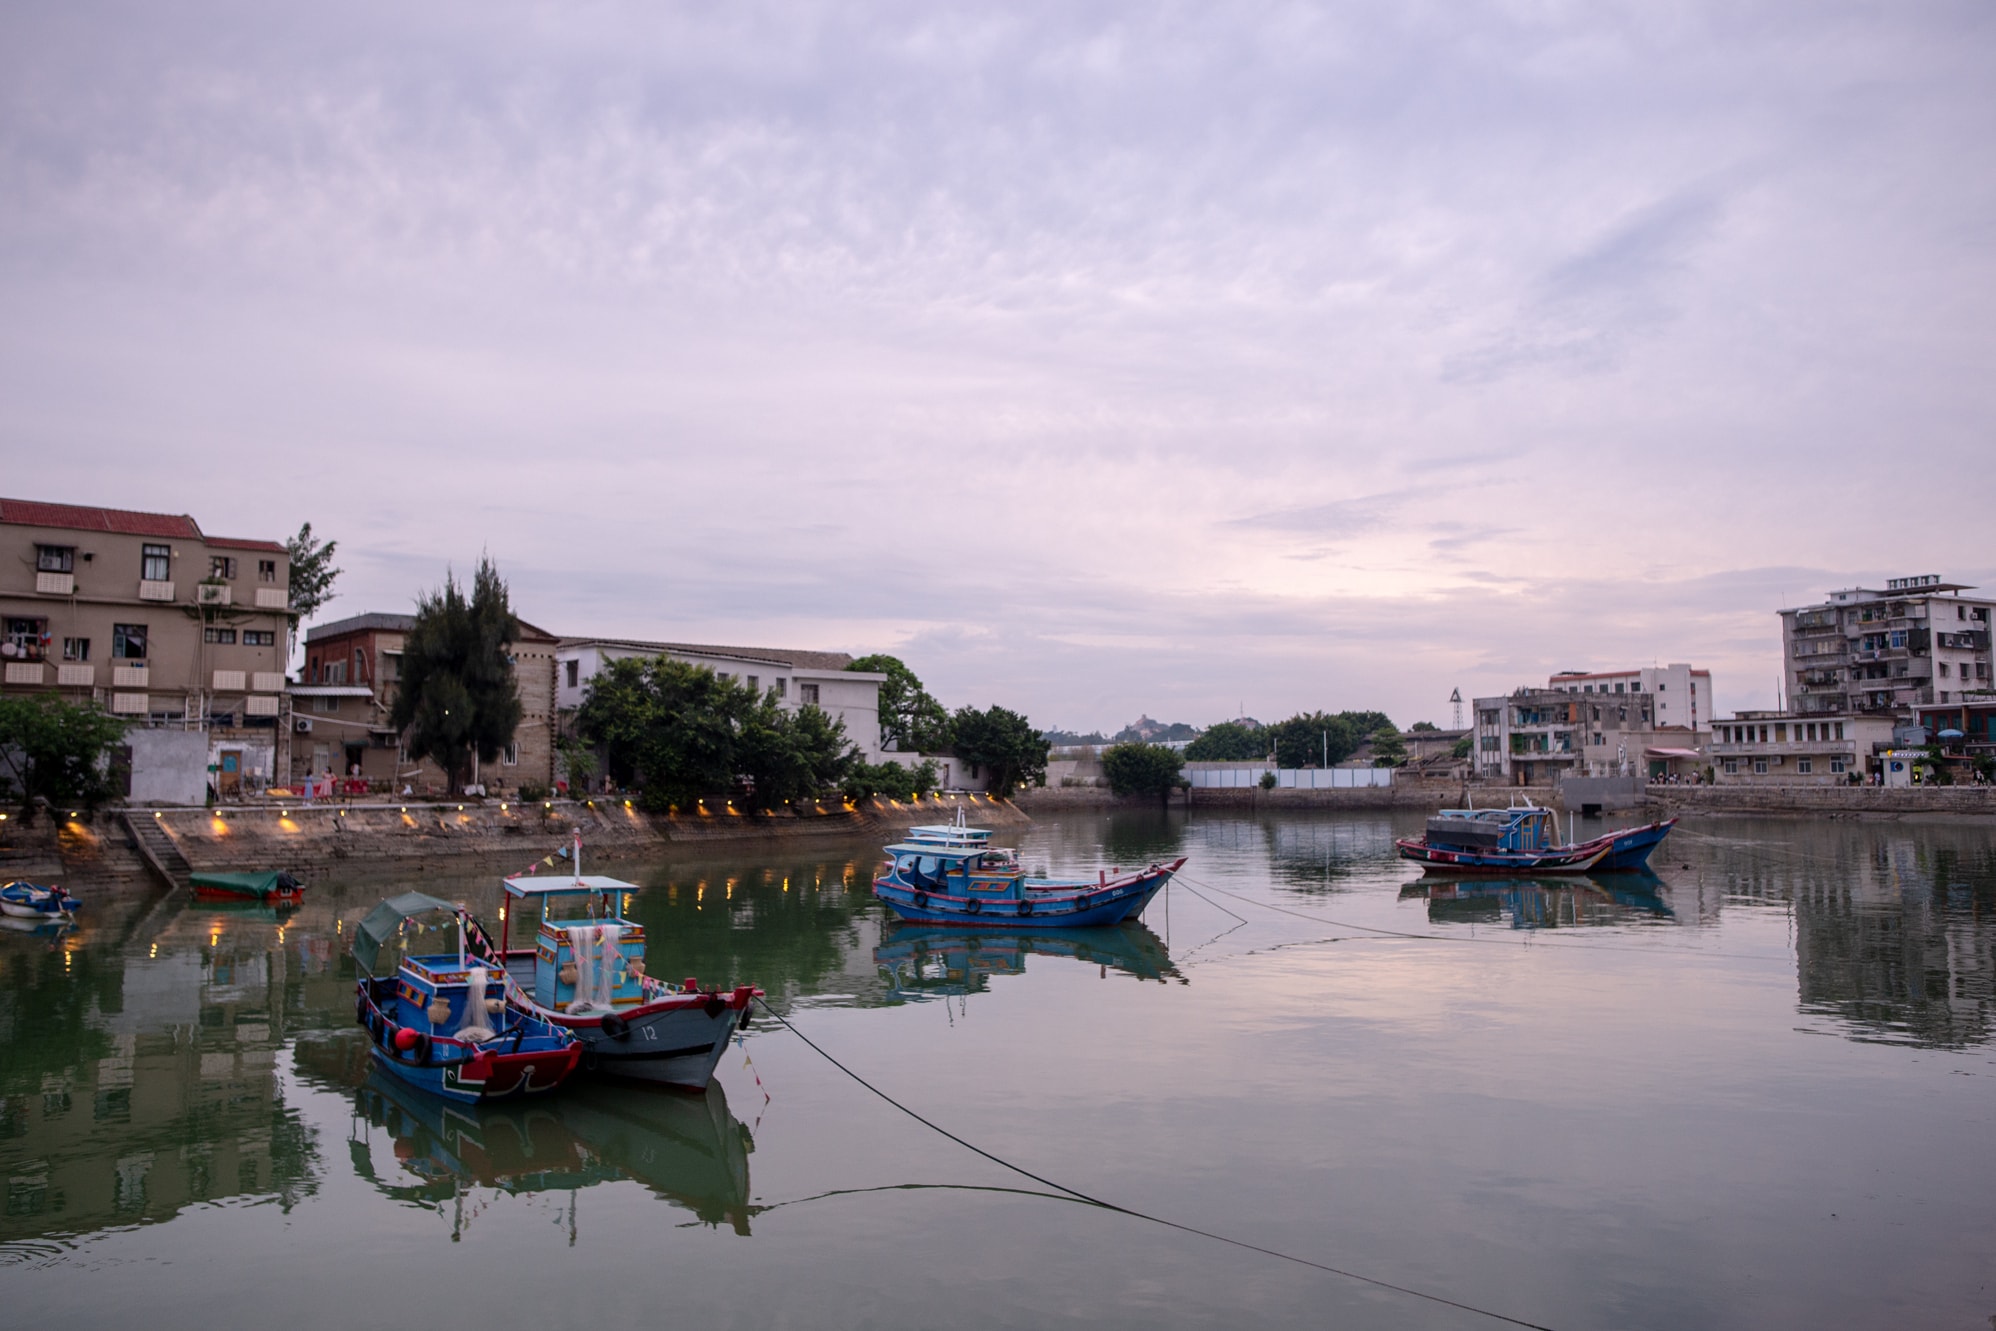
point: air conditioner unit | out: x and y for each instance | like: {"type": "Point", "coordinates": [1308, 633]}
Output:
{"type": "Point", "coordinates": [303, 725]}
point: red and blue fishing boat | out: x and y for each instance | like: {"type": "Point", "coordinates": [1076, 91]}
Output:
{"type": "Point", "coordinates": [1524, 840]}
{"type": "Point", "coordinates": [953, 875]}
{"type": "Point", "coordinates": [440, 1020]}
{"type": "Point", "coordinates": [585, 975]}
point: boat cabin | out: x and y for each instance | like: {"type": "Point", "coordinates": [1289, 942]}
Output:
{"type": "Point", "coordinates": [588, 954]}
{"type": "Point", "coordinates": [950, 834]}
{"type": "Point", "coordinates": [437, 986]}
{"type": "Point", "coordinates": [979, 871]}
{"type": "Point", "coordinates": [1494, 831]}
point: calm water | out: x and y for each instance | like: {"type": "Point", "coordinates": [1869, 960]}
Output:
{"type": "Point", "coordinates": [1757, 1091]}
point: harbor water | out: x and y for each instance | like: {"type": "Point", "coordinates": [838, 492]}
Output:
{"type": "Point", "coordinates": [1757, 1089]}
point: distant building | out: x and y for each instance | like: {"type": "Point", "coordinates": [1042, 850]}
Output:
{"type": "Point", "coordinates": [1683, 696]}
{"type": "Point", "coordinates": [1974, 717]}
{"type": "Point", "coordinates": [798, 678]}
{"type": "Point", "coordinates": [1541, 736]}
{"type": "Point", "coordinates": [181, 633]}
{"type": "Point", "coordinates": [1914, 642]}
{"type": "Point", "coordinates": [1787, 748]}
{"type": "Point", "coordinates": [352, 672]}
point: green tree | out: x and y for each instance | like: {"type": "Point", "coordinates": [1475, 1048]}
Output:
{"type": "Point", "coordinates": [312, 574]}
{"type": "Point", "coordinates": [1462, 748]}
{"type": "Point", "coordinates": [910, 720]}
{"type": "Point", "coordinates": [1423, 727]}
{"type": "Point", "coordinates": [457, 695]}
{"type": "Point", "coordinates": [1003, 743]}
{"type": "Point", "coordinates": [1143, 769]}
{"type": "Point", "coordinates": [1387, 748]}
{"type": "Point", "coordinates": [1228, 742]}
{"type": "Point", "coordinates": [55, 750]}
{"type": "Point", "coordinates": [1313, 739]}
{"type": "Point", "coordinates": [890, 780]}
{"type": "Point", "coordinates": [788, 756]}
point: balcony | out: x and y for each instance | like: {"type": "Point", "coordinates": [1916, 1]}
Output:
{"type": "Point", "coordinates": [230, 681]}
{"type": "Point", "coordinates": [272, 598]}
{"type": "Point", "coordinates": [267, 681]}
{"type": "Point", "coordinates": [1780, 748]}
{"type": "Point", "coordinates": [214, 593]}
{"type": "Point", "coordinates": [26, 672]}
{"type": "Point", "coordinates": [131, 677]}
{"type": "Point", "coordinates": [254, 706]}
{"type": "Point", "coordinates": [55, 584]}
{"type": "Point", "coordinates": [152, 590]}
{"type": "Point", "coordinates": [130, 704]}
{"type": "Point", "coordinates": [76, 676]}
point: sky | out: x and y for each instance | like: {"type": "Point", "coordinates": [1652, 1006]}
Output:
{"type": "Point", "coordinates": [1179, 359]}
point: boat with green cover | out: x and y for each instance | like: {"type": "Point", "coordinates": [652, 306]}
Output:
{"type": "Point", "coordinates": [270, 885]}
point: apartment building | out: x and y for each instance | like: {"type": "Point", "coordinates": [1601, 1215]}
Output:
{"type": "Point", "coordinates": [1787, 748]}
{"type": "Point", "coordinates": [799, 678]}
{"type": "Point", "coordinates": [352, 671]}
{"type": "Point", "coordinates": [180, 632]}
{"type": "Point", "coordinates": [1541, 736]}
{"type": "Point", "coordinates": [1914, 642]}
{"type": "Point", "coordinates": [1682, 695]}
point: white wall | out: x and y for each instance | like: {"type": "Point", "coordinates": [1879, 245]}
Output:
{"type": "Point", "coordinates": [168, 766]}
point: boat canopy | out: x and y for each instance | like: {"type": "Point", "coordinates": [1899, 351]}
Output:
{"type": "Point", "coordinates": [250, 884]}
{"type": "Point", "coordinates": [383, 921]}
{"type": "Point", "coordinates": [548, 884]}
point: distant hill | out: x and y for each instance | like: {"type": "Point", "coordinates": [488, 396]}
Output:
{"type": "Point", "coordinates": [1062, 739]}
{"type": "Point", "coordinates": [1146, 731]}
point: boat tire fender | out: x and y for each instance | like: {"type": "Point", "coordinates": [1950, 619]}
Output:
{"type": "Point", "coordinates": [616, 1027]}
{"type": "Point", "coordinates": [1082, 902]}
{"type": "Point", "coordinates": [1025, 908]}
{"type": "Point", "coordinates": [921, 901]}
{"type": "Point", "coordinates": [973, 905]}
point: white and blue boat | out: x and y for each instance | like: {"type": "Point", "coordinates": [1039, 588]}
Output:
{"type": "Point", "coordinates": [31, 901]}
{"type": "Point", "coordinates": [952, 875]}
{"type": "Point", "coordinates": [1525, 840]}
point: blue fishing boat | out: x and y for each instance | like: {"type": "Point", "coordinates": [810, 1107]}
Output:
{"type": "Point", "coordinates": [953, 875]}
{"type": "Point", "coordinates": [1524, 840]}
{"type": "Point", "coordinates": [585, 974]}
{"type": "Point", "coordinates": [31, 901]}
{"type": "Point", "coordinates": [439, 1020]}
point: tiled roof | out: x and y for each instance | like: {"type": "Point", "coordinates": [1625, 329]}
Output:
{"type": "Point", "coordinates": [772, 655]}
{"type": "Point", "coordinates": [376, 620]}
{"type": "Point", "coordinates": [243, 543]}
{"type": "Point", "coordinates": [75, 517]}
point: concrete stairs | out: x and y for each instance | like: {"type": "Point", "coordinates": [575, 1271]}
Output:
{"type": "Point", "coordinates": [161, 855]}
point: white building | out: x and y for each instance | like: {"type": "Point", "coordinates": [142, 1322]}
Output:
{"type": "Point", "coordinates": [1683, 695]}
{"type": "Point", "coordinates": [1784, 748]}
{"type": "Point", "coordinates": [799, 679]}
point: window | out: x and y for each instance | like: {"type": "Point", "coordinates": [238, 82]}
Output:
{"type": "Point", "coordinates": [754, 683]}
{"type": "Point", "coordinates": [1760, 767]}
{"type": "Point", "coordinates": [1804, 766]}
{"type": "Point", "coordinates": [266, 570]}
{"type": "Point", "coordinates": [128, 642]}
{"type": "Point", "coordinates": [1781, 733]}
{"type": "Point", "coordinates": [573, 674]}
{"type": "Point", "coordinates": [1732, 767]}
{"type": "Point", "coordinates": [259, 637]}
{"type": "Point", "coordinates": [76, 649]}
{"type": "Point", "coordinates": [1840, 730]}
{"type": "Point", "coordinates": [1896, 638]}
{"type": "Point", "coordinates": [782, 687]}
{"type": "Point", "coordinates": [1661, 687]}
{"type": "Point", "coordinates": [359, 665]}
{"type": "Point", "coordinates": [55, 559]}
{"type": "Point", "coordinates": [24, 639]}
{"type": "Point", "coordinates": [221, 566]}
{"type": "Point", "coordinates": [218, 635]}
{"type": "Point", "coordinates": [1490, 744]}
{"type": "Point", "coordinates": [511, 757]}
{"type": "Point", "coordinates": [336, 672]}
{"type": "Point", "coordinates": [1618, 688]}
{"type": "Point", "coordinates": [156, 563]}
{"type": "Point", "coordinates": [1600, 738]}
{"type": "Point", "coordinates": [1587, 688]}
{"type": "Point", "coordinates": [807, 694]}
{"type": "Point", "coordinates": [391, 666]}
{"type": "Point", "coordinates": [324, 704]}
{"type": "Point", "coordinates": [1943, 669]}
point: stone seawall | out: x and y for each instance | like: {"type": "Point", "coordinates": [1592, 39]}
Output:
{"type": "Point", "coordinates": [1855, 801]}
{"type": "Point", "coordinates": [312, 840]}
{"type": "Point", "coordinates": [1401, 795]}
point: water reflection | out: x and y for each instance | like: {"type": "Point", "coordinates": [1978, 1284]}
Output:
{"type": "Point", "coordinates": [688, 1150]}
{"type": "Point", "coordinates": [1533, 903]}
{"type": "Point", "coordinates": [924, 962]}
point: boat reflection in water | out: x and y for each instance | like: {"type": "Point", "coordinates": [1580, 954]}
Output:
{"type": "Point", "coordinates": [686, 1147]}
{"type": "Point", "coordinates": [1527, 903]}
{"type": "Point", "coordinates": [922, 961]}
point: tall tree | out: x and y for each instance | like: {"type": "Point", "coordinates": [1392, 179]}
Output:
{"type": "Point", "coordinates": [1228, 742]}
{"type": "Point", "coordinates": [1312, 739]}
{"type": "Point", "coordinates": [1003, 743]}
{"type": "Point", "coordinates": [910, 720]}
{"type": "Point", "coordinates": [1143, 769]}
{"type": "Point", "coordinates": [457, 696]}
{"type": "Point", "coordinates": [312, 574]}
{"type": "Point", "coordinates": [55, 750]}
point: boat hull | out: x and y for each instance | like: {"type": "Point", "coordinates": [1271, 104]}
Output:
{"type": "Point", "coordinates": [673, 1040]}
{"type": "Point", "coordinates": [1624, 850]}
{"type": "Point", "coordinates": [530, 1059]}
{"type": "Point", "coordinates": [1064, 906]}
{"type": "Point", "coordinates": [27, 901]}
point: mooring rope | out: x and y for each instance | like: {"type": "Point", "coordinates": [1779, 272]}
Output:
{"type": "Point", "coordinates": [1080, 1196]}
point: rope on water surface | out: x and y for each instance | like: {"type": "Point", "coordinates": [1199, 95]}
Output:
{"type": "Point", "coordinates": [1083, 1197]}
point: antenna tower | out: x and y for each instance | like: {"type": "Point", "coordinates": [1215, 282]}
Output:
{"type": "Point", "coordinates": [1455, 701]}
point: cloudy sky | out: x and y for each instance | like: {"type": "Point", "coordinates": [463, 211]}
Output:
{"type": "Point", "coordinates": [1094, 359]}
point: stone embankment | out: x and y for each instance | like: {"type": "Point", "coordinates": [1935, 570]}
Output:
{"type": "Point", "coordinates": [1828, 801]}
{"type": "Point", "coordinates": [313, 839]}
